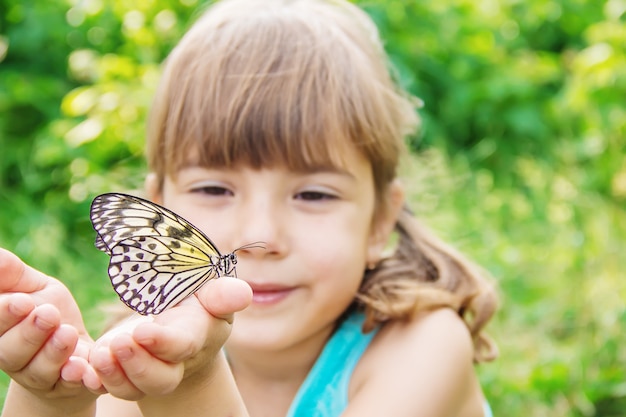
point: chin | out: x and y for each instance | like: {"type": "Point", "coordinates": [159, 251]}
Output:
{"type": "Point", "coordinates": [257, 332]}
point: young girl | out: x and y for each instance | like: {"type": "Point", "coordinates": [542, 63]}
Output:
{"type": "Point", "coordinates": [277, 122]}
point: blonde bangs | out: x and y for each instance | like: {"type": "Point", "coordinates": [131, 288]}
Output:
{"type": "Point", "coordinates": [277, 87]}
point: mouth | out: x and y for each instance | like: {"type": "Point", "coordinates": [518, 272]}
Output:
{"type": "Point", "coordinates": [267, 294]}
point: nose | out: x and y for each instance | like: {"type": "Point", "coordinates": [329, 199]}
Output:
{"type": "Point", "coordinates": [261, 227]}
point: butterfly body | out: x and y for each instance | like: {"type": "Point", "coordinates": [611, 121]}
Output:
{"type": "Point", "coordinates": [157, 258]}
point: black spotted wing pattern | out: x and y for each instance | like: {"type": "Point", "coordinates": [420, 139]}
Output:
{"type": "Point", "coordinates": [157, 257]}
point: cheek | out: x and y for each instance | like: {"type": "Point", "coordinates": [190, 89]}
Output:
{"type": "Point", "coordinates": [337, 279]}
{"type": "Point", "coordinates": [337, 248]}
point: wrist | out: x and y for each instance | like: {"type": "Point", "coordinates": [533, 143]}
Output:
{"type": "Point", "coordinates": [209, 392]}
{"type": "Point", "coordinates": [23, 402]}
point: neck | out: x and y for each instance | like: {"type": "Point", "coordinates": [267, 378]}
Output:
{"type": "Point", "coordinates": [276, 375]}
{"type": "Point", "coordinates": [279, 364]}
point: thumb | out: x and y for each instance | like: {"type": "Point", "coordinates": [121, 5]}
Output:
{"type": "Point", "coordinates": [224, 296]}
{"type": "Point", "coordinates": [16, 276]}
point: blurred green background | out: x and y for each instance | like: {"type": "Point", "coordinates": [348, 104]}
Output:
{"type": "Point", "coordinates": [521, 162]}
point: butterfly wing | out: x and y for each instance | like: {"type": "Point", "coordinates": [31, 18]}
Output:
{"type": "Point", "coordinates": [157, 257]}
{"type": "Point", "coordinates": [117, 216]}
{"type": "Point", "coordinates": [151, 274]}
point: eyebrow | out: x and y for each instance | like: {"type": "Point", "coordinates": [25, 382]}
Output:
{"type": "Point", "coordinates": [326, 169]}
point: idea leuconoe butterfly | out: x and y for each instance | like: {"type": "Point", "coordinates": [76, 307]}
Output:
{"type": "Point", "coordinates": [157, 257]}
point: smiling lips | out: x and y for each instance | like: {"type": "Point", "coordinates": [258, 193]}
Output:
{"type": "Point", "coordinates": [267, 294]}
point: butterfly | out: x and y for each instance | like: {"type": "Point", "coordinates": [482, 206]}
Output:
{"type": "Point", "coordinates": [157, 257]}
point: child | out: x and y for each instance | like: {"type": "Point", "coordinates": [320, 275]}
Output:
{"type": "Point", "coordinates": [276, 122]}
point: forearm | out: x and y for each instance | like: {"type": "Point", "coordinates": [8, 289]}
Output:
{"type": "Point", "coordinates": [20, 402]}
{"type": "Point", "coordinates": [213, 394]}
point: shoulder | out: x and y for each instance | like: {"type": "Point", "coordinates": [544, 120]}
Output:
{"type": "Point", "coordinates": [439, 333]}
{"type": "Point", "coordinates": [423, 366]}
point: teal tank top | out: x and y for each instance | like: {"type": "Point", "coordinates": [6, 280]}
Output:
{"type": "Point", "coordinates": [324, 392]}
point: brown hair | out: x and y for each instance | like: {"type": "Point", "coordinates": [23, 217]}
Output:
{"type": "Point", "coordinates": [294, 82]}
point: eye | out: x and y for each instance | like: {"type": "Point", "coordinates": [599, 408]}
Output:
{"type": "Point", "coordinates": [212, 190]}
{"type": "Point", "coordinates": [315, 196]}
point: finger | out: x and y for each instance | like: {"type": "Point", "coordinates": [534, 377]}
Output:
{"type": "Point", "coordinates": [111, 375]}
{"type": "Point", "coordinates": [44, 370]}
{"type": "Point", "coordinates": [92, 381]}
{"type": "Point", "coordinates": [176, 333]}
{"type": "Point", "coordinates": [13, 309]}
{"type": "Point", "coordinates": [174, 343]}
{"type": "Point", "coordinates": [82, 348]}
{"type": "Point", "coordinates": [151, 375]}
{"type": "Point", "coordinates": [225, 296]}
{"type": "Point", "coordinates": [77, 370]}
{"type": "Point", "coordinates": [182, 331]}
{"type": "Point", "coordinates": [74, 369]}
{"type": "Point", "coordinates": [16, 276]}
{"type": "Point", "coordinates": [19, 344]}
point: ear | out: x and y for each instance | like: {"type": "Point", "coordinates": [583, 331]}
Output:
{"type": "Point", "coordinates": [384, 222]}
{"type": "Point", "coordinates": [153, 187]}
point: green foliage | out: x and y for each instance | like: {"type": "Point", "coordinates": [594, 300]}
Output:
{"type": "Point", "coordinates": [521, 161]}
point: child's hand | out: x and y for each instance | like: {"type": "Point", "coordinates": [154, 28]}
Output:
{"type": "Point", "coordinates": [153, 356]}
{"type": "Point", "coordinates": [43, 340]}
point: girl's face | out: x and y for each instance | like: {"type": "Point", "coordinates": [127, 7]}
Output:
{"type": "Point", "coordinates": [318, 231]}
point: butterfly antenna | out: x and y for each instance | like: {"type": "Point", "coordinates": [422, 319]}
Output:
{"type": "Point", "coordinates": [260, 245]}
